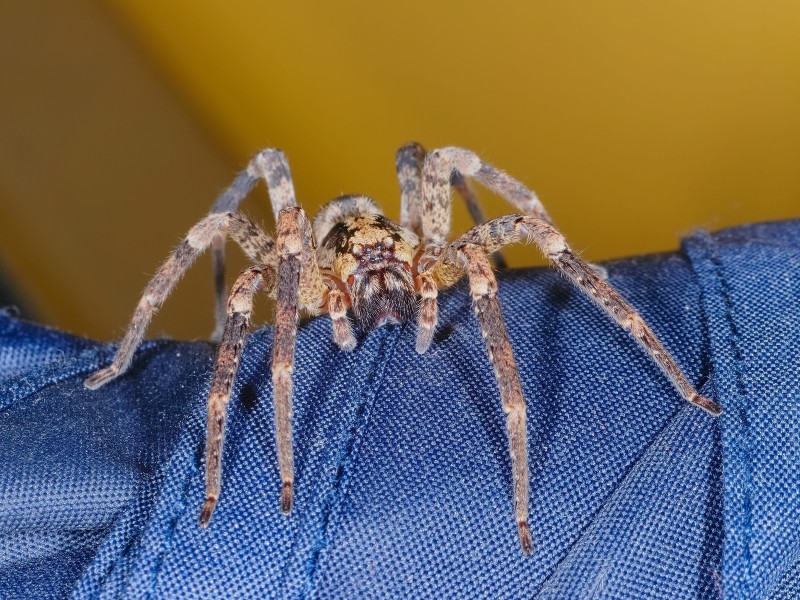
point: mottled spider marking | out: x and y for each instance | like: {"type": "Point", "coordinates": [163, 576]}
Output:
{"type": "Point", "coordinates": [428, 310]}
{"type": "Point", "coordinates": [297, 268]}
{"type": "Point", "coordinates": [271, 166]}
{"type": "Point", "coordinates": [437, 172]}
{"type": "Point", "coordinates": [338, 303]}
{"type": "Point", "coordinates": [373, 256]}
{"type": "Point", "coordinates": [351, 231]}
{"type": "Point", "coordinates": [337, 210]}
{"type": "Point", "coordinates": [409, 162]}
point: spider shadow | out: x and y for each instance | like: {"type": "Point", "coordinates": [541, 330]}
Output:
{"type": "Point", "coordinates": [248, 398]}
{"type": "Point", "coordinates": [443, 333]}
{"type": "Point", "coordinates": [542, 374]}
{"type": "Point", "coordinates": [553, 388]}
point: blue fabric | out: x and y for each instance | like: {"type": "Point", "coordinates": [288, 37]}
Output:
{"type": "Point", "coordinates": [403, 485]}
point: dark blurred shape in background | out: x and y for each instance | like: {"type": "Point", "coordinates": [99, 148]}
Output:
{"type": "Point", "coordinates": [9, 298]}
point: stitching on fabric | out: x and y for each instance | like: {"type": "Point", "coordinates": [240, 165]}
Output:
{"type": "Point", "coordinates": [358, 427]}
{"type": "Point", "coordinates": [54, 372]}
{"type": "Point", "coordinates": [620, 483]}
{"type": "Point", "coordinates": [181, 504]}
{"type": "Point", "coordinates": [111, 568]}
{"type": "Point", "coordinates": [142, 486]}
{"type": "Point", "coordinates": [740, 406]}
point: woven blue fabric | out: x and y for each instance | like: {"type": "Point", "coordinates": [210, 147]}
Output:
{"type": "Point", "coordinates": [403, 486]}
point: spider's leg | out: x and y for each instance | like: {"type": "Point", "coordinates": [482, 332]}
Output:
{"type": "Point", "coordinates": [271, 166]}
{"type": "Point", "coordinates": [483, 288]}
{"type": "Point", "coordinates": [444, 167]}
{"type": "Point", "coordinates": [256, 244]}
{"type": "Point", "coordinates": [425, 186]}
{"type": "Point", "coordinates": [512, 228]}
{"type": "Point", "coordinates": [218, 268]}
{"type": "Point", "coordinates": [467, 192]}
{"type": "Point", "coordinates": [409, 160]}
{"type": "Point", "coordinates": [299, 283]}
{"type": "Point", "coordinates": [239, 310]}
{"type": "Point", "coordinates": [437, 173]}
{"type": "Point", "coordinates": [428, 309]}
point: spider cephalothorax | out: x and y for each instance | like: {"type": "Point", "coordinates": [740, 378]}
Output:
{"type": "Point", "coordinates": [380, 272]}
{"type": "Point", "coordinates": [373, 257]}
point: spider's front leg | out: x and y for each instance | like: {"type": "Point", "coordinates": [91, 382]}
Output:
{"type": "Point", "coordinates": [299, 283]}
{"type": "Point", "coordinates": [537, 226]}
{"type": "Point", "coordinates": [551, 242]}
{"type": "Point", "coordinates": [426, 182]}
{"type": "Point", "coordinates": [483, 288]}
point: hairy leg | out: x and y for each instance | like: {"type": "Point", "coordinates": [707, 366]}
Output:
{"type": "Point", "coordinates": [255, 243]}
{"type": "Point", "coordinates": [513, 228]}
{"type": "Point", "coordinates": [337, 304]}
{"type": "Point", "coordinates": [409, 161]}
{"type": "Point", "coordinates": [437, 172]}
{"type": "Point", "coordinates": [467, 192]}
{"type": "Point", "coordinates": [299, 283]}
{"type": "Point", "coordinates": [239, 311]}
{"type": "Point", "coordinates": [271, 166]}
{"type": "Point", "coordinates": [483, 288]}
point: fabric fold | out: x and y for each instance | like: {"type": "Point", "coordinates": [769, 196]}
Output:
{"type": "Point", "coordinates": [403, 477]}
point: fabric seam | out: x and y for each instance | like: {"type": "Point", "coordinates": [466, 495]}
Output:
{"type": "Point", "coordinates": [624, 477]}
{"type": "Point", "coordinates": [181, 505]}
{"type": "Point", "coordinates": [344, 465]}
{"type": "Point", "coordinates": [740, 406]}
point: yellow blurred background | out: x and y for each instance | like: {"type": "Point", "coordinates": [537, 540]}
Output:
{"type": "Point", "coordinates": [120, 120]}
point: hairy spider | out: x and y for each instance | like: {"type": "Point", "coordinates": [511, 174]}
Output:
{"type": "Point", "coordinates": [367, 264]}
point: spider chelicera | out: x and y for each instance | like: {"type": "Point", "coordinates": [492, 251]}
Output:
{"type": "Point", "coordinates": [353, 261]}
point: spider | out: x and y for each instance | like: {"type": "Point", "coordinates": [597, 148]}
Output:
{"type": "Point", "coordinates": [354, 261]}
